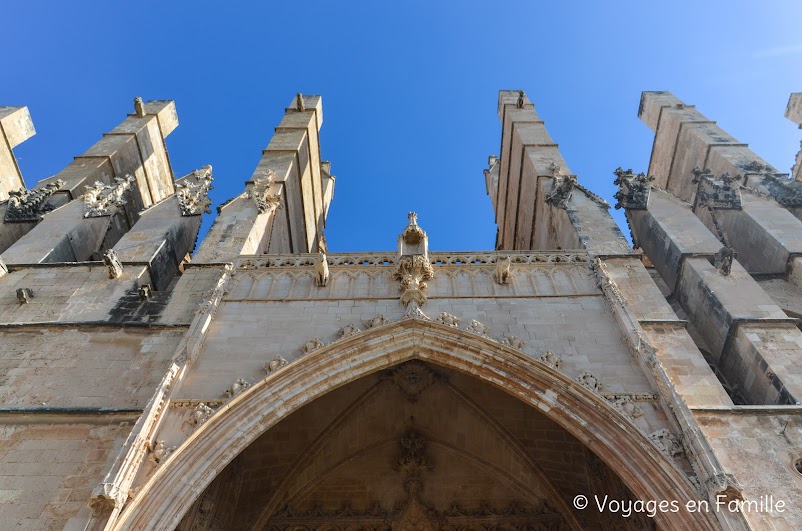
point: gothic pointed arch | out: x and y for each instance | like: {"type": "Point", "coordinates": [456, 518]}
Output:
{"type": "Point", "coordinates": [647, 473]}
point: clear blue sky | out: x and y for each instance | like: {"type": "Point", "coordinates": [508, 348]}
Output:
{"type": "Point", "coordinates": [409, 89]}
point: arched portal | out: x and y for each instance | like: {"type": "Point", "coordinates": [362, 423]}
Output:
{"type": "Point", "coordinates": [455, 357]}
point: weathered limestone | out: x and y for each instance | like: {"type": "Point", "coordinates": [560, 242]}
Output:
{"type": "Point", "coordinates": [15, 127]}
{"type": "Point", "coordinates": [794, 113]}
{"type": "Point", "coordinates": [284, 205]}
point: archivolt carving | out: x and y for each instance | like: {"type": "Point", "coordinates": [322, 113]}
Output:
{"type": "Point", "coordinates": [277, 363]}
{"type": "Point", "coordinates": [666, 442]}
{"type": "Point", "coordinates": [627, 406]}
{"type": "Point", "coordinates": [311, 345]}
{"type": "Point", "coordinates": [475, 327]}
{"type": "Point", "coordinates": [237, 388]}
{"type": "Point", "coordinates": [551, 359]}
{"type": "Point", "coordinates": [513, 342]}
{"type": "Point", "coordinates": [348, 331]}
{"type": "Point", "coordinates": [199, 415]}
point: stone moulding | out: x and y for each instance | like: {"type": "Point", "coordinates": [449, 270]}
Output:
{"type": "Point", "coordinates": [437, 260]}
{"type": "Point", "coordinates": [30, 205]}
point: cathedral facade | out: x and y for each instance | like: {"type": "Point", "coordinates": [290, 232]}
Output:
{"type": "Point", "coordinates": [255, 381]}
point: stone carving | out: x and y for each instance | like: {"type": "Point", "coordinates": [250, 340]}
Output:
{"type": "Point", "coordinates": [786, 192]}
{"type": "Point", "coordinates": [139, 107]}
{"type": "Point", "coordinates": [633, 190]}
{"type": "Point", "coordinates": [193, 192]}
{"type": "Point", "coordinates": [112, 262]}
{"type": "Point", "coordinates": [503, 271]}
{"type": "Point", "coordinates": [24, 295]}
{"type": "Point", "coordinates": [348, 331]}
{"type": "Point", "coordinates": [144, 292]}
{"type": "Point", "coordinates": [103, 199]}
{"type": "Point", "coordinates": [413, 268]}
{"type": "Point", "coordinates": [299, 102]}
{"type": "Point", "coordinates": [237, 388]}
{"type": "Point", "coordinates": [477, 328]}
{"type": "Point", "coordinates": [561, 188]}
{"type": "Point", "coordinates": [414, 311]}
{"type": "Point", "coordinates": [412, 378]}
{"type": "Point", "coordinates": [627, 406]}
{"type": "Point", "coordinates": [321, 270]}
{"type": "Point", "coordinates": [413, 459]}
{"type": "Point", "coordinates": [379, 320]}
{"type": "Point", "coordinates": [587, 380]}
{"type": "Point", "coordinates": [259, 192]}
{"type": "Point", "coordinates": [666, 443]}
{"type": "Point", "coordinates": [277, 363]}
{"type": "Point", "coordinates": [30, 205]}
{"type": "Point", "coordinates": [551, 359]}
{"type": "Point", "coordinates": [447, 319]}
{"type": "Point", "coordinates": [513, 342]}
{"type": "Point", "coordinates": [311, 345]}
{"type": "Point", "coordinates": [723, 260]}
{"type": "Point", "coordinates": [199, 415]}
{"type": "Point", "coordinates": [159, 452]}
{"type": "Point", "coordinates": [521, 100]}
{"type": "Point", "coordinates": [723, 192]}
{"type": "Point", "coordinates": [723, 483]}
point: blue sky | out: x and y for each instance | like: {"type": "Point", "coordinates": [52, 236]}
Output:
{"type": "Point", "coordinates": [409, 90]}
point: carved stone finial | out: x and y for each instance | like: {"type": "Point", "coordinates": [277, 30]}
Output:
{"type": "Point", "coordinates": [139, 107]}
{"type": "Point", "coordinates": [633, 190]}
{"type": "Point", "coordinates": [321, 270]}
{"type": "Point", "coordinates": [513, 342]}
{"type": "Point", "coordinates": [113, 263]}
{"type": "Point", "coordinates": [413, 268]}
{"type": "Point", "coordinates": [299, 102]}
{"type": "Point", "coordinates": [561, 188]}
{"type": "Point", "coordinates": [311, 345]}
{"type": "Point", "coordinates": [348, 331]}
{"type": "Point", "coordinates": [723, 260]}
{"type": "Point", "coordinates": [521, 100]}
{"type": "Point", "coordinates": [237, 388]}
{"type": "Point", "coordinates": [259, 192]}
{"type": "Point", "coordinates": [103, 199]}
{"type": "Point", "coordinates": [193, 192]}
{"type": "Point", "coordinates": [666, 443]}
{"type": "Point", "coordinates": [30, 205]}
{"type": "Point", "coordinates": [275, 364]}
{"type": "Point", "coordinates": [551, 359]}
{"type": "Point", "coordinates": [475, 327]}
{"type": "Point", "coordinates": [447, 319]}
{"type": "Point", "coordinates": [503, 270]}
{"type": "Point", "coordinates": [412, 378]}
{"type": "Point", "coordinates": [587, 380]}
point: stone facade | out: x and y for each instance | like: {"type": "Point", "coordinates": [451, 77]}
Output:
{"type": "Point", "coordinates": [261, 382]}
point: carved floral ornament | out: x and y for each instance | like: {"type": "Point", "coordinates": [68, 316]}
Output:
{"type": "Point", "coordinates": [104, 199]}
{"type": "Point", "coordinates": [193, 192]}
{"type": "Point", "coordinates": [30, 205]}
{"type": "Point", "coordinates": [260, 193]}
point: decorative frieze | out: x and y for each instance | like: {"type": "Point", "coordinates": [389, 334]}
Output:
{"type": "Point", "coordinates": [105, 200]}
{"type": "Point", "coordinates": [633, 190]}
{"type": "Point", "coordinates": [193, 192]}
{"type": "Point", "coordinates": [30, 205]}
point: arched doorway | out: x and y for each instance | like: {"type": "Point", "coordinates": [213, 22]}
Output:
{"type": "Point", "coordinates": [416, 425]}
